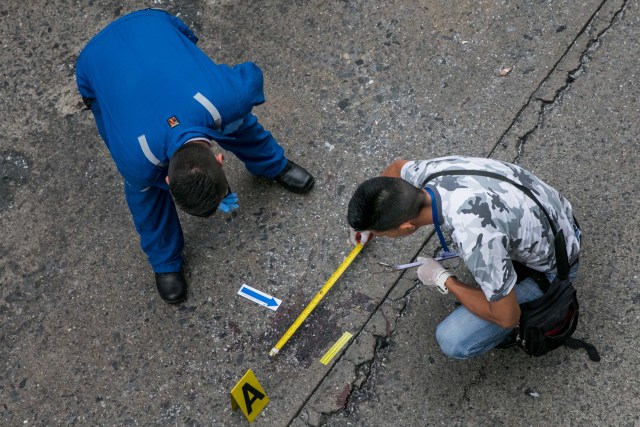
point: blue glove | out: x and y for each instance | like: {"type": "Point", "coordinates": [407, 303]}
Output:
{"type": "Point", "coordinates": [229, 203]}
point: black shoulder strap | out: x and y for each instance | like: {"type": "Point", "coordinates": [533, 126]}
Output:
{"type": "Point", "coordinates": [562, 259]}
{"type": "Point", "coordinates": [575, 344]}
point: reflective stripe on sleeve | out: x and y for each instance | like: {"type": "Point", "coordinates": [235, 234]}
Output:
{"type": "Point", "coordinates": [217, 119]}
{"type": "Point", "coordinates": [233, 126]}
{"type": "Point", "coordinates": [147, 151]}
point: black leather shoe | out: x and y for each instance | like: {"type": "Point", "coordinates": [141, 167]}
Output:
{"type": "Point", "coordinates": [295, 178]}
{"type": "Point", "coordinates": [172, 287]}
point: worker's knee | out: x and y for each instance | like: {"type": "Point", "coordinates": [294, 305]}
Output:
{"type": "Point", "coordinates": [451, 343]}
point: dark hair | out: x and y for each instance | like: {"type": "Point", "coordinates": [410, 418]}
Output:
{"type": "Point", "coordinates": [196, 180]}
{"type": "Point", "coordinates": [384, 203]}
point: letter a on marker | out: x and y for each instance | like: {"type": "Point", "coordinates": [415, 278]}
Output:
{"type": "Point", "coordinates": [246, 390]}
{"type": "Point", "coordinates": [249, 396]}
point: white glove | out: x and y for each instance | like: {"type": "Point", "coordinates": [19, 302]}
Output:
{"type": "Point", "coordinates": [359, 236]}
{"type": "Point", "coordinates": [433, 274]}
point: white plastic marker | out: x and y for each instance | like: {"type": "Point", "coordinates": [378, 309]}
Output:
{"type": "Point", "coordinates": [405, 266]}
{"type": "Point", "coordinates": [259, 297]}
{"type": "Point", "coordinates": [307, 311]}
{"type": "Point", "coordinates": [335, 349]}
{"type": "Point", "coordinates": [441, 257]}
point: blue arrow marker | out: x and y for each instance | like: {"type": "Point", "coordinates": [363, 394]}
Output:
{"type": "Point", "coordinates": [259, 297]}
{"type": "Point", "coordinates": [268, 301]}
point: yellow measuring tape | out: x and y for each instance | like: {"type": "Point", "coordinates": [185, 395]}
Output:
{"type": "Point", "coordinates": [314, 302]}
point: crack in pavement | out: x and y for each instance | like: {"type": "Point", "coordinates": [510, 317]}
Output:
{"type": "Point", "coordinates": [303, 413]}
{"type": "Point", "coordinates": [367, 390]}
{"type": "Point", "coordinates": [479, 379]}
{"type": "Point", "coordinates": [547, 105]}
{"type": "Point", "coordinates": [362, 388]}
{"type": "Point", "coordinates": [543, 99]}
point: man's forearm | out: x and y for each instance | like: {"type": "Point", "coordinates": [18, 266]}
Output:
{"type": "Point", "coordinates": [504, 313]}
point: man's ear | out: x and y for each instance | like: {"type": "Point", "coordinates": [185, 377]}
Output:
{"type": "Point", "coordinates": [167, 179]}
{"type": "Point", "coordinates": [407, 226]}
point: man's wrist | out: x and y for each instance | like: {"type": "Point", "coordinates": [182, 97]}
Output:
{"type": "Point", "coordinates": [441, 281]}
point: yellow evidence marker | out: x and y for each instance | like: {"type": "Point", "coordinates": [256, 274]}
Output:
{"type": "Point", "coordinates": [314, 302]}
{"type": "Point", "coordinates": [249, 396]}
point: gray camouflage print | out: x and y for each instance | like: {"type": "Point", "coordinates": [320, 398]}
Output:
{"type": "Point", "coordinates": [494, 223]}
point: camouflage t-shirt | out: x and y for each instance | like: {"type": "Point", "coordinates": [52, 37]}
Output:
{"type": "Point", "coordinates": [494, 223]}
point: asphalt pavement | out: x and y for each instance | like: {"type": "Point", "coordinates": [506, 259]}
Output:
{"type": "Point", "coordinates": [350, 87]}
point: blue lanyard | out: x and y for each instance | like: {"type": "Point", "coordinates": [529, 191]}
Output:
{"type": "Point", "coordinates": [436, 224]}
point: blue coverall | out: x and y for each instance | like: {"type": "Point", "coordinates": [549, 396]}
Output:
{"type": "Point", "coordinates": [153, 90]}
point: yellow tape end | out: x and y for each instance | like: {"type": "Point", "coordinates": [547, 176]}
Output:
{"type": "Point", "coordinates": [273, 352]}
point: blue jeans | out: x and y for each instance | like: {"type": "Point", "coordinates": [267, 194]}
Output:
{"type": "Point", "coordinates": [463, 335]}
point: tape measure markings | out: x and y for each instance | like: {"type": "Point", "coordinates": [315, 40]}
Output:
{"type": "Point", "coordinates": [316, 299]}
{"type": "Point", "coordinates": [335, 349]}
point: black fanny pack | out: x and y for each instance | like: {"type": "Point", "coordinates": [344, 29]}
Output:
{"type": "Point", "coordinates": [549, 321]}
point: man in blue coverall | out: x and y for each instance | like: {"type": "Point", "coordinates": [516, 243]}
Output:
{"type": "Point", "coordinates": [160, 103]}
